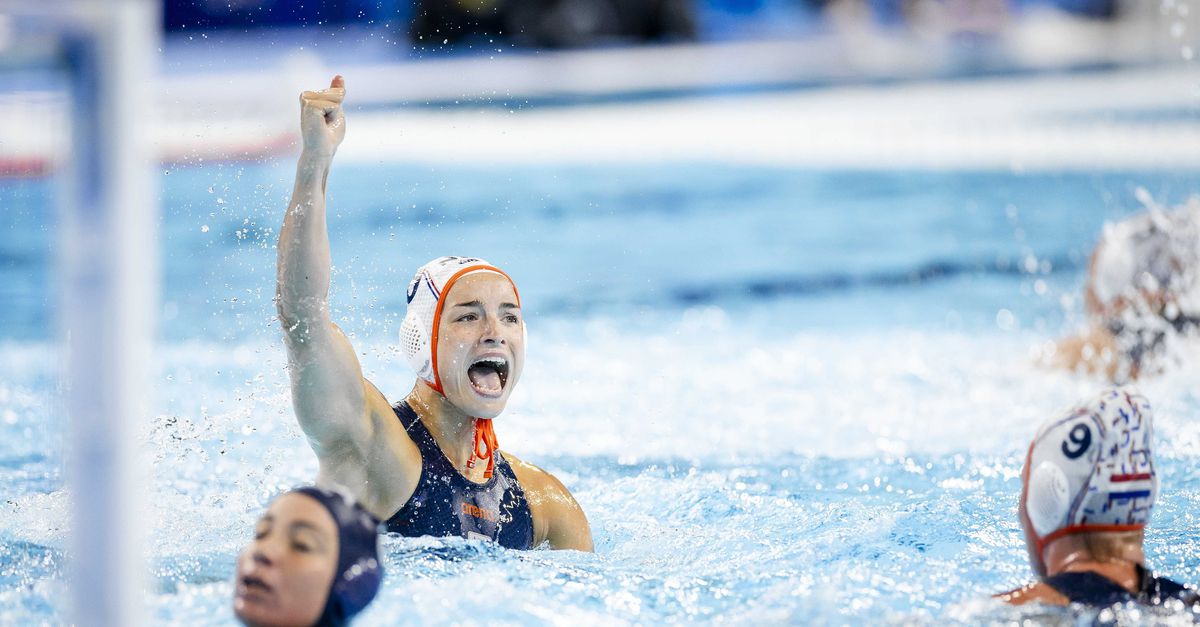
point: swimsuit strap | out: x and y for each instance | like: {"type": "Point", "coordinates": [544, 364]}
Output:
{"type": "Point", "coordinates": [431, 454]}
{"type": "Point", "coordinates": [1155, 590]}
{"type": "Point", "coordinates": [445, 503]}
{"type": "Point", "coordinates": [1091, 588]}
{"type": "Point", "coordinates": [1088, 588]}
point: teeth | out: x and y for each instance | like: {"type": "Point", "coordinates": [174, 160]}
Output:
{"type": "Point", "coordinates": [499, 361]}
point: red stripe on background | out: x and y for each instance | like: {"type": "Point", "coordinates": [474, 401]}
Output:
{"type": "Point", "coordinates": [24, 167]}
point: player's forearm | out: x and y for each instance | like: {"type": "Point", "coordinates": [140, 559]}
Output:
{"type": "Point", "coordinates": [304, 259]}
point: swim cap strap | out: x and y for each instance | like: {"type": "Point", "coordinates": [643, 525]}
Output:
{"type": "Point", "coordinates": [1043, 542]}
{"type": "Point", "coordinates": [485, 438]}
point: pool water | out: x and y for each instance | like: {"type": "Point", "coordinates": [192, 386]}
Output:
{"type": "Point", "coordinates": [780, 395]}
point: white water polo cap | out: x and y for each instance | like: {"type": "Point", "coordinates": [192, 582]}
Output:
{"type": "Point", "coordinates": [418, 333]}
{"type": "Point", "coordinates": [1154, 251]}
{"type": "Point", "coordinates": [1092, 470]}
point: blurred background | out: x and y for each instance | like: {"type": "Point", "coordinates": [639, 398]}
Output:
{"type": "Point", "coordinates": [233, 60]}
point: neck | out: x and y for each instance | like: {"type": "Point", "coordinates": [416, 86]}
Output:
{"type": "Point", "coordinates": [1071, 554]}
{"type": "Point", "coordinates": [453, 430]}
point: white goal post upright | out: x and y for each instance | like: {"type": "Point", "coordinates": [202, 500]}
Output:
{"type": "Point", "coordinates": [109, 263]}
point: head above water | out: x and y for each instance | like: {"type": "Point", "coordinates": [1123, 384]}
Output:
{"type": "Point", "coordinates": [464, 334]}
{"type": "Point", "coordinates": [314, 561]}
{"type": "Point", "coordinates": [1089, 471]}
{"type": "Point", "coordinates": [1147, 261]}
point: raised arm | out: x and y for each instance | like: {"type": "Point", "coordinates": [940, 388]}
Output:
{"type": "Point", "coordinates": [328, 391]}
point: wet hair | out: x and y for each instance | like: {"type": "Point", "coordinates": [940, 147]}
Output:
{"type": "Point", "coordinates": [358, 573]}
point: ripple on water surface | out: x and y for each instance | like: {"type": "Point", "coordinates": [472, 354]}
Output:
{"type": "Point", "coordinates": [867, 478]}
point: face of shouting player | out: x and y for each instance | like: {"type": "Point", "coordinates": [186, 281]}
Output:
{"type": "Point", "coordinates": [480, 344]}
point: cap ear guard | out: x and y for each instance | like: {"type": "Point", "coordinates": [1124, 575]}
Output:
{"type": "Point", "coordinates": [414, 343]}
{"type": "Point", "coordinates": [1047, 498]}
{"type": "Point", "coordinates": [1092, 470]}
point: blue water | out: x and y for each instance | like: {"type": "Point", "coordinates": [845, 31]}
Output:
{"type": "Point", "coordinates": [781, 396]}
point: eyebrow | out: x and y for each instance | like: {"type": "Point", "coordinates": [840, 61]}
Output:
{"type": "Point", "coordinates": [302, 525]}
{"type": "Point", "coordinates": [479, 304]}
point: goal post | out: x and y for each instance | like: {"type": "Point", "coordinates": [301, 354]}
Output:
{"type": "Point", "coordinates": [108, 260]}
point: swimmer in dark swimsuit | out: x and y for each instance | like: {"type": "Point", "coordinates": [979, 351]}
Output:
{"type": "Point", "coordinates": [430, 465]}
{"type": "Point", "coordinates": [314, 560]}
{"type": "Point", "coordinates": [1143, 290]}
{"type": "Point", "coordinates": [1088, 486]}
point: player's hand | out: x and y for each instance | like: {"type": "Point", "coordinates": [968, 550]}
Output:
{"type": "Point", "coordinates": [322, 123]}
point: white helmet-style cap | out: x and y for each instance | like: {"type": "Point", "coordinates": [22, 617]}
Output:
{"type": "Point", "coordinates": [1092, 469]}
{"type": "Point", "coordinates": [418, 333]}
{"type": "Point", "coordinates": [1153, 251]}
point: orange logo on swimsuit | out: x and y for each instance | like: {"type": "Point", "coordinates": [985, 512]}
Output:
{"type": "Point", "coordinates": [477, 512]}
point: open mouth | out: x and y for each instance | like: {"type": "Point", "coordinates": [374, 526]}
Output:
{"type": "Point", "coordinates": [488, 375]}
{"type": "Point", "coordinates": [251, 584]}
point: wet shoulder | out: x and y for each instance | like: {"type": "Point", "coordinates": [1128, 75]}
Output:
{"type": "Point", "coordinates": [1036, 592]}
{"type": "Point", "coordinates": [537, 484]}
{"type": "Point", "coordinates": [557, 516]}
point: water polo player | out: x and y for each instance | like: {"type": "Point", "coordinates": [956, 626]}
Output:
{"type": "Point", "coordinates": [1088, 487]}
{"type": "Point", "coordinates": [430, 465]}
{"type": "Point", "coordinates": [1143, 288]}
{"type": "Point", "coordinates": [314, 561]}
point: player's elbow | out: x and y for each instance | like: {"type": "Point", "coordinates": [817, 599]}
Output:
{"type": "Point", "coordinates": [299, 315]}
{"type": "Point", "coordinates": [288, 319]}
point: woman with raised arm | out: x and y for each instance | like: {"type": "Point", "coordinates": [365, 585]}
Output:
{"type": "Point", "coordinates": [428, 465]}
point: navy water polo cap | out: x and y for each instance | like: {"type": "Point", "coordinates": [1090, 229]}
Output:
{"type": "Point", "coordinates": [358, 573]}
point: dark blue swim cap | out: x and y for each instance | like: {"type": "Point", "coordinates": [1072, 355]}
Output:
{"type": "Point", "coordinates": [358, 573]}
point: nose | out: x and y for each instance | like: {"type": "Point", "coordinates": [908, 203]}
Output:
{"type": "Point", "coordinates": [491, 332]}
{"type": "Point", "coordinates": [264, 551]}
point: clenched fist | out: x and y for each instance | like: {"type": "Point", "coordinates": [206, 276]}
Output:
{"type": "Point", "coordinates": [322, 123]}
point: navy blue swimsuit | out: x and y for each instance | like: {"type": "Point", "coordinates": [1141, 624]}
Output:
{"type": "Point", "coordinates": [445, 503]}
{"type": "Point", "coordinates": [1090, 588]}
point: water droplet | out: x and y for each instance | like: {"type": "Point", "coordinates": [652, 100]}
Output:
{"type": "Point", "coordinates": [1005, 320]}
{"type": "Point", "coordinates": [204, 229]}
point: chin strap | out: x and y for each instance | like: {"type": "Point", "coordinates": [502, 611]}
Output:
{"type": "Point", "coordinates": [485, 437]}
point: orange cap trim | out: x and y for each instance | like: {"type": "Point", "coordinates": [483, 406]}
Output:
{"type": "Point", "coordinates": [1074, 529]}
{"type": "Point", "coordinates": [1040, 542]}
{"type": "Point", "coordinates": [437, 315]}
